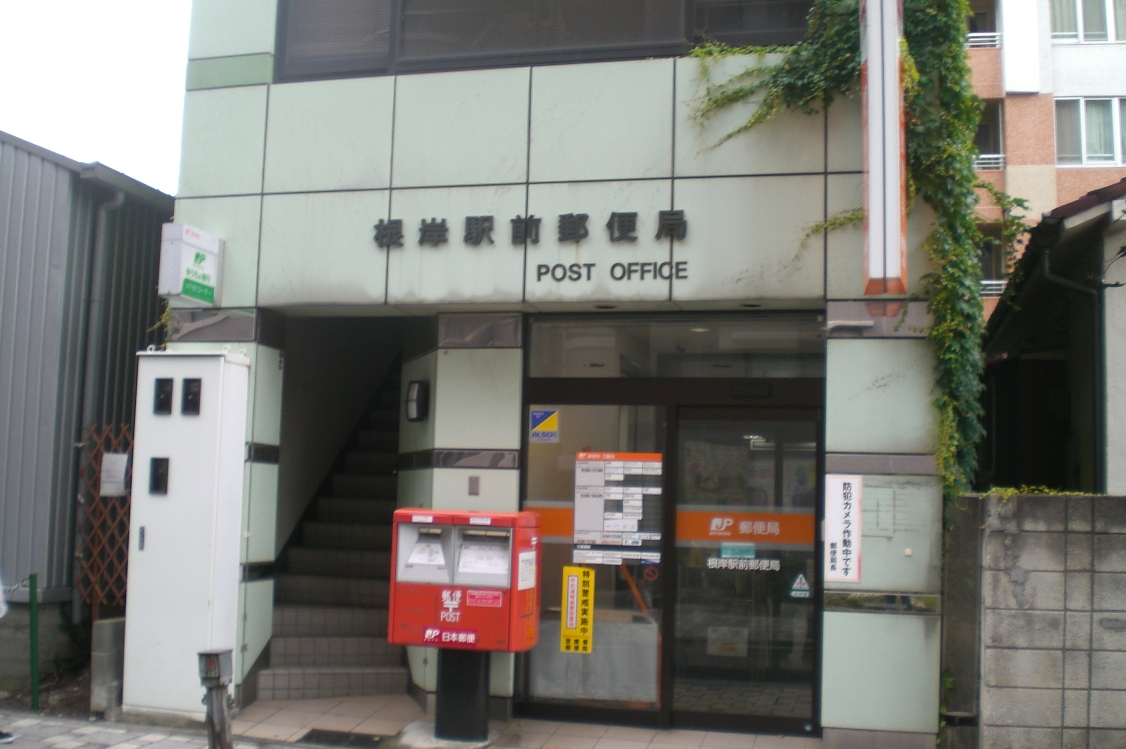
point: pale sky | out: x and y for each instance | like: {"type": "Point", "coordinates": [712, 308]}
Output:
{"type": "Point", "coordinates": [98, 80]}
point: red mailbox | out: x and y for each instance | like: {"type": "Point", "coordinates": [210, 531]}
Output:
{"type": "Point", "coordinates": [465, 580]}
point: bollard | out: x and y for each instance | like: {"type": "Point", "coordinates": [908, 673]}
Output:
{"type": "Point", "coordinates": [33, 626]}
{"type": "Point", "coordinates": [215, 669]}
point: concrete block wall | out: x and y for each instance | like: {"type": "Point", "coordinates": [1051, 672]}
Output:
{"type": "Point", "coordinates": [1054, 622]}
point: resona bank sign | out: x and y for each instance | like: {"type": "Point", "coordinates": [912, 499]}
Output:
{"type": "Point", "coordinates": [190, 265]}
{"type": "Point", "coordinates": [570, 228]}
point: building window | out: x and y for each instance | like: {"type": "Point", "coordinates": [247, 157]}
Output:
{"type": "Point", "coordinates": [990, 150]}
{"type": "Point", "coordinates": [332, 38]}
{"type": "Point", "coordinates": [1090, 131]}
{"type": "Point", "coordinates": [1088, 20]}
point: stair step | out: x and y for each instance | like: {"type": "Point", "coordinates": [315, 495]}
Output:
{"type": "Point", "coordinates": [348, 485]}
{"type": "Point", "coordinates": [331, 591]}
{"type": "Point", "coordinates": [378, 439]}
{"type": "Point", "coordinates": [328, 621]}
{"type": "Point", "coordinates": [371, 462]}
{"type": "Point", "coordinates": [295, 683]}
{"type": "Point", "coordinates": [339, 562]}
{"type": "Point", "coordinates": [333, 651]}
{"type": "Point", "coordinates": [328, 535]}
{"type": "Point", "coordinates": [355, 510]}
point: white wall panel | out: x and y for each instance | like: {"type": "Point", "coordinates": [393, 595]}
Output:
{"type": "Point", "coordinates": [791, 142]}
{"type": "Point", "coordinates": [462, 128]}
{"type": "Point", "coordinates": [744, 238]}
{"type": "Point", "coordinates": [1089, 69]}
{"type": "Point", "coordinates": [878, 395]}
{"type": "Point", "coordinates": [1020, 46]}
{"type": "Point", "coordinates": [477, 399]}
{"type": "Point", "coordinates": [318, 249]}
{"type": "Point", "coordinates": [602, 121]}
{"type": "Point", "coordinates": [235, 221]}
{"type": "Point", "coordinates": [329, 135]}
{"type": "Point", "coordinates": [456, 271]}
{"type": "Point", "coordinates": [224, 130]}
{"type": "Point", "coordinates": [598, 200]}
{"type": "Point", "coordinates": [221, 28]}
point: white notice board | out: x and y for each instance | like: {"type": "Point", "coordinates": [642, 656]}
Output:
{"type": "Point", "coordinates": [843, 495]}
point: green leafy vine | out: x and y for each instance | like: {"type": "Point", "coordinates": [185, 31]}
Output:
{"type": "Point", "coordinates": [942, 117]}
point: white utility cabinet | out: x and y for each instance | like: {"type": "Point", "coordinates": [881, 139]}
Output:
{"type": "Point", "coordinates": [185, 524]}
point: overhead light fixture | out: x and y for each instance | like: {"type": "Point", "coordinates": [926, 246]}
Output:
{"type": "Point", "coordinates": [605, 306]}
{"type": "Point", "coordinates": [699, 330]}
{"type": "Point", "coordinates": [750, 305]}
{"type": "Point", "coordinates": [418, 400]}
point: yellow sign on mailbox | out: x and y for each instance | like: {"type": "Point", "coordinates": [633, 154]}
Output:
{"type": "Point", "coordinates": [576, 625]}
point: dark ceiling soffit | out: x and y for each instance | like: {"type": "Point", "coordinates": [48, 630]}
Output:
{"type": "Point", "coordinates": [100, 173]}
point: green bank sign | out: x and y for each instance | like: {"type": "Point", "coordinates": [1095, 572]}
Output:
{"type": "Point", "coordinates": [190, 265]}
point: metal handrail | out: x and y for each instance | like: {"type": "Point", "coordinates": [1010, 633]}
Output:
{"type": "Point", "coordinates": [989, 161]}
{"type": "Point", "coordinates": [983, 39]}
{"type": "Point", "coordinates": [993, 286]}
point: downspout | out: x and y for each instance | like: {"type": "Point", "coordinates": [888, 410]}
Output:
{"type": "Point", "coordinates": [92, 370]}
{"type": "Point", "coordinates": [1098, 373]}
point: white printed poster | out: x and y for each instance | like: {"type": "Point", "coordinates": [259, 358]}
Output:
{"type": "Point", "coordinates": [842, 528]}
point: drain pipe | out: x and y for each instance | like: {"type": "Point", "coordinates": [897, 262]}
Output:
{"type": "Point", "coordinates": [1098, 415]}
{"type": "Point", "coordinates": [95, 352]}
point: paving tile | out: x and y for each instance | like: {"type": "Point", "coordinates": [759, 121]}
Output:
{"type": "Point", "coordinates": [69, 744]}
{"type": "Point", "coordinates": [620, 744]}
{"type": "Point", "coordinates": [273, 733]}
{"type": "Point", "coordinates": [586, 730]}
{"type": "Point", "coordinates": [239, 727]}
{"type": "Point", "coordinates": [337, 722]}
{"type": "Point", "coordinates": [724, 740]}
{"type": "Point", "coordinates": [570, 742]}
{"type": "Point", "coordinates": [538, 726]}
{"type": "Point", "coordinates": [780, 742]}
{"type": "Point", "coordinates": [290, 718]}
{"type": "Point", "coordinates": [522, 738]}
{"type": "Point", "coordinates": [629, 734]}
{"type": "Point", "coordinates": [679, 737]}
{"type": "Point", "coordinates": [151, 737]}
{"type": "Point", "coordinates": [380, 727]}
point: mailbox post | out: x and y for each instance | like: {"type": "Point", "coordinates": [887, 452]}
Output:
{"type": "Point", "coordinates": [468, 584]}
{"type": "Point", "coordinates": [215, 675]}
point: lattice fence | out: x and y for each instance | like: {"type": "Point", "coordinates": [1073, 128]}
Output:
{"type": "Point", "coordinates": [103, 523]}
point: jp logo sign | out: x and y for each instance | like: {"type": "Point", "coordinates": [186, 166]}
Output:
{"type": "Point", "coordinates": [720, 525]}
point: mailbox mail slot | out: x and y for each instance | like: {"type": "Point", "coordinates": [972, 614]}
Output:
{"type": "Point", "coordinates": [465, 580]}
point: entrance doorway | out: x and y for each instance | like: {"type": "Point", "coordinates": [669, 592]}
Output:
{"type": "Point", "coordinates": [694, 504]}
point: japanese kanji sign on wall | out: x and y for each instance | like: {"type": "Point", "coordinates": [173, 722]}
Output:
{"type": "Point", "coordinates": [842, 528]}
{"type": "Point", "coordinates": [576, 625]}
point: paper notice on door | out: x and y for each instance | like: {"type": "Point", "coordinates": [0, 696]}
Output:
{"type": "Point", "coordinates": [427, 552]}
{"type": "Point", "coordinates": [625, 525]}
{"type": "Point", "coordinates": [487, 559]}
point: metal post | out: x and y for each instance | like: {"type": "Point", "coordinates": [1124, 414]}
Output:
{"type": "Point", "coordinates": [461, 712]}
{"type": "Point", "coordinates": [33, 626]}
{"type": "Point", "coordinates": [218, 723]}
{"type": "Point", "coordinates": [215, 672]}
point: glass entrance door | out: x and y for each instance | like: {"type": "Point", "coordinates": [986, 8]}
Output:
{"type": "Point", "coordinates": [746, 489]}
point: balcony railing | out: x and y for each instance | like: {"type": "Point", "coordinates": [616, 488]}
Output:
{"type": "Point", "coordinates": [983, 39]}
{"type": "Point", "coordinates": [993, 286]}
{"type": "Point", "coordinates": [989, 162]}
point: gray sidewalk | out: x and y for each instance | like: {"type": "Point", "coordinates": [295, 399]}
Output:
{"type": "Point", "coordinates": [33, 730]}
{"type": "Point", "coordinates": [281, 725]}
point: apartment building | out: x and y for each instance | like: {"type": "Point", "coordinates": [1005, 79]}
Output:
{"type": "Point", "coordinates": [1052, 74]}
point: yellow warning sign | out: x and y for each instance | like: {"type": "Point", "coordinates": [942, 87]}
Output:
{"type": "Point", "coordinates": [576, 625]}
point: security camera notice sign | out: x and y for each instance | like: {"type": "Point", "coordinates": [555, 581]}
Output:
{"type": "Point", "coordinates": [842, 528]}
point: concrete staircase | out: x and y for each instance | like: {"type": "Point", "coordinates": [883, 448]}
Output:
{"type": "Point", "coordinates": [330, 607]}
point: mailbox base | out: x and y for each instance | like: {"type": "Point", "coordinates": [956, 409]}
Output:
{"type": "Point", "coordinates": [461, 710]}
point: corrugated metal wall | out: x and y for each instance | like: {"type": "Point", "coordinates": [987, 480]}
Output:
{"type": "Point", "coordinates": [35, 207]}
{"type": "Point", "coordinates": [48, 218]}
